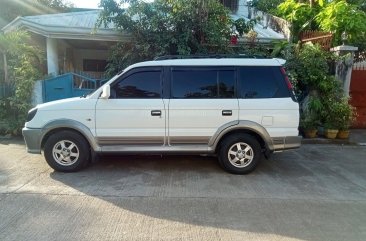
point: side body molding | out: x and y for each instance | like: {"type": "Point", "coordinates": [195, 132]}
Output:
{"type": "Point", "coordinates": [242, 125]}
{"type": "Point", "coordinates": [71, 124]}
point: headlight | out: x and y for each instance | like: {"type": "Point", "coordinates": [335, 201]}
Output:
{"type": "Point", "coordinates": [31, 114]}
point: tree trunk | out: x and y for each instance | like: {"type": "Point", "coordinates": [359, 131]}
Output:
{"type": "Point", "coordinates": [311, 3]}
{"type": "Point", "coordinates": [5, 68]}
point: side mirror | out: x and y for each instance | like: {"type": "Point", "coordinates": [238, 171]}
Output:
{"type": "Point", "coordinates": [106, 92]}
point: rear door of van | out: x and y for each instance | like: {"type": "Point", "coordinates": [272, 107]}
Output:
{"type": "Point", "coordinates": [202, 99]}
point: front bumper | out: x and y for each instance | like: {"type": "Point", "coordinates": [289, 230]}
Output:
{"type": "Point", "coordinates": [32, 139]}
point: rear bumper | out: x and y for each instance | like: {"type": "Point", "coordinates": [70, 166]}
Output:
{"type": "Point", "coordinates": [32, 139]}
{"type": "Point", "coordinates": [286, 143]}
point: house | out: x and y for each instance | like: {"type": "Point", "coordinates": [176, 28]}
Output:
{"type": "Point", "coordinates": [73, 44]}
{"type": "Point", "coordinates": [70, 40]}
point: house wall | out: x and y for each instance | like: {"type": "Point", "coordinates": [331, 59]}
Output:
{"type": "Point", "coordinates": [81, 54]}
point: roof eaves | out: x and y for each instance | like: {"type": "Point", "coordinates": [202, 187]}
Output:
{"type": "Point", "coordinates": [103, 34]}
{"type": "Point", "coordinates": [12, 25]}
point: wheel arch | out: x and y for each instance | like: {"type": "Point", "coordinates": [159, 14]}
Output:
{"type": "Point", "coordinates": [247, 127]}
{"type": "Point", "coordinates": [71, 125]}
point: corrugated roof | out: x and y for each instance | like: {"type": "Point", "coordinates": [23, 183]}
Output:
{"type": "Point", "coordinates": [72, 25]}
{"type": "Point", "coordinates": [85, 19]}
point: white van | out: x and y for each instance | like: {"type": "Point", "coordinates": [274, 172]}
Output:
{"type": "Point", "coordinates": [237, 108]}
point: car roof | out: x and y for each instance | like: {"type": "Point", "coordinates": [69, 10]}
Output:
{"type": "Point", "coordinates": [211, 62]}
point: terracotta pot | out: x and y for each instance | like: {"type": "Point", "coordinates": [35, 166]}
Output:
{"type": "Point", "coordinates": [343, 134]}
{"type": "Point", "coordinates": [330, 133]}
{"type": "Point", "coordinates": [310, 133]}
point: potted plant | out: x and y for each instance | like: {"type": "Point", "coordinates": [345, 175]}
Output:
{"type": "Point", "coordinates": [346, 114]}
{"type": "Point", "coordinates": [308, 124]}
{"type": "Point", "coordinates": [310, 115]}
{"type": "Point", "coordinates": [331, 118]}
{"type": "Point", "coordinates": [330, 130]}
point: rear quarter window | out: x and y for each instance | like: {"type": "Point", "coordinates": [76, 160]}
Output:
{"type": "Point", "coordinates": [256, 82]}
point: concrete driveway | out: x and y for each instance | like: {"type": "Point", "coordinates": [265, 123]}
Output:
{"type": "Point", "coordinates": [315, 193]}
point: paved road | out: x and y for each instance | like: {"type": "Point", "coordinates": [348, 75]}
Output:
{"type": "Point", "coordinates": [315, 193]}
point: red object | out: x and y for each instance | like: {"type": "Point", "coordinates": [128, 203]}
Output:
{"type": "Point", "coordinates": [358, 96]}
{"type": "Point", "coordinates": [289, 85]}
{"type": "Point", "coordinates": [234, 39]}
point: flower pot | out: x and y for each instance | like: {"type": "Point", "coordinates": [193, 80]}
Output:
{"type": "Point", "coordinates": [343, 134]}
{"type": "Point", "coordinates": [310, 133]}
{"type": "Point", "coordinates": [330, 133]}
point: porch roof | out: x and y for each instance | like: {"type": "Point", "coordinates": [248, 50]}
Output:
{"type": "Point", "coordinates": [72, 25]}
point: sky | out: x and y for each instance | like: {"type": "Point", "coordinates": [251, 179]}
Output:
{"type": "Point", "coordinates": [85, 3]}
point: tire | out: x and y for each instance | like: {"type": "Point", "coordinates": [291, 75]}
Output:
{"type": "Point", "coordinates": [67, 151]}
{"type": "Point", "coordinates": [240, 153]}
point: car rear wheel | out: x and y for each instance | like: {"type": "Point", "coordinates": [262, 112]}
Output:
{"type": "Point", "coordinates": [240, 153]}
{"type": "Point", "coordinates": [66, 151]}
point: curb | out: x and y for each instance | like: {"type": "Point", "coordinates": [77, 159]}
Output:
{"type": "Point", "coordinates": [326, 141]}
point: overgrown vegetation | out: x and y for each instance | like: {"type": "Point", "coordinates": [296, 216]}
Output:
{"type": "Point", "coordinates": [167, 27]}
{"type": "Point", "coordinates": [21, 65]}
{"type": "Point", "coordinates": [320, 95]}
{"type": "Point", "coordinates": [335, 16]}
{"type": "Point", "coordinates": [338, 17]}
{"type": "Point", "coordinates": [268, 6]}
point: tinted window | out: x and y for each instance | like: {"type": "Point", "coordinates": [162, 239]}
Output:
{"type": "Point", "coordinates": [144, 84]}
{"type": "Point", "coordinates": [201, 83]}
{"type": "Point", "coordinates": [262, 82]}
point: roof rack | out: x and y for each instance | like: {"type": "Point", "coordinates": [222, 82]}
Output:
{"type": "Point", "coordinates": [210, 56]}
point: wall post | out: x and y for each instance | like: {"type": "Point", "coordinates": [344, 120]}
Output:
{"type": "Point", "coordinates": [343, 69]}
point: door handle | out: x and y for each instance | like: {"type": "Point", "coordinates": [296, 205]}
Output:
{"type": "Point", "coordinates": [227, 113]}
{"type": "Point", "coordinates": [156, 112]}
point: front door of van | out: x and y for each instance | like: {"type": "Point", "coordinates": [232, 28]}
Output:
{"type": "Point", "coordinates": [135, 112]}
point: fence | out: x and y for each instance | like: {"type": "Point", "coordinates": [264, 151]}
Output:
{"type": "Point", "coordinates": [68, 85]}
{"type": "Point", "coordinates": [324, 39]}
{"type": "Point", "coordinates": [360, 66]}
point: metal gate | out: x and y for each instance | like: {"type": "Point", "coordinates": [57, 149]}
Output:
{"type": "Point", "coordinates": [67, 86]}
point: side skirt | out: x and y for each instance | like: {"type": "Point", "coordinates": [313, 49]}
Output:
{"type": "Point", "coordinates": [186, 149]}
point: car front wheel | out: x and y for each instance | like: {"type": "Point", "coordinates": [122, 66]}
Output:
{"type": "Point", "coordinates": [66, 151]}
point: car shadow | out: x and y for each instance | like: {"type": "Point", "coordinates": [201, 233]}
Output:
{"type": "Point", "coordinates": [196, 191]}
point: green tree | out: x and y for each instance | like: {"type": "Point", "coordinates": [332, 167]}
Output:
{"type": "Point", "coordinates": [340, 16]}
{"type": "Point", "coordinates": [334, 16]}
{"type": "Point", "coordinates": [269, 6]}
{"type": "Point", "coordinates": [299, 14]}
{"type": "Point", "coordinates": [167, 27]}
{"type": "Point", "coordinates": [21, 67]}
